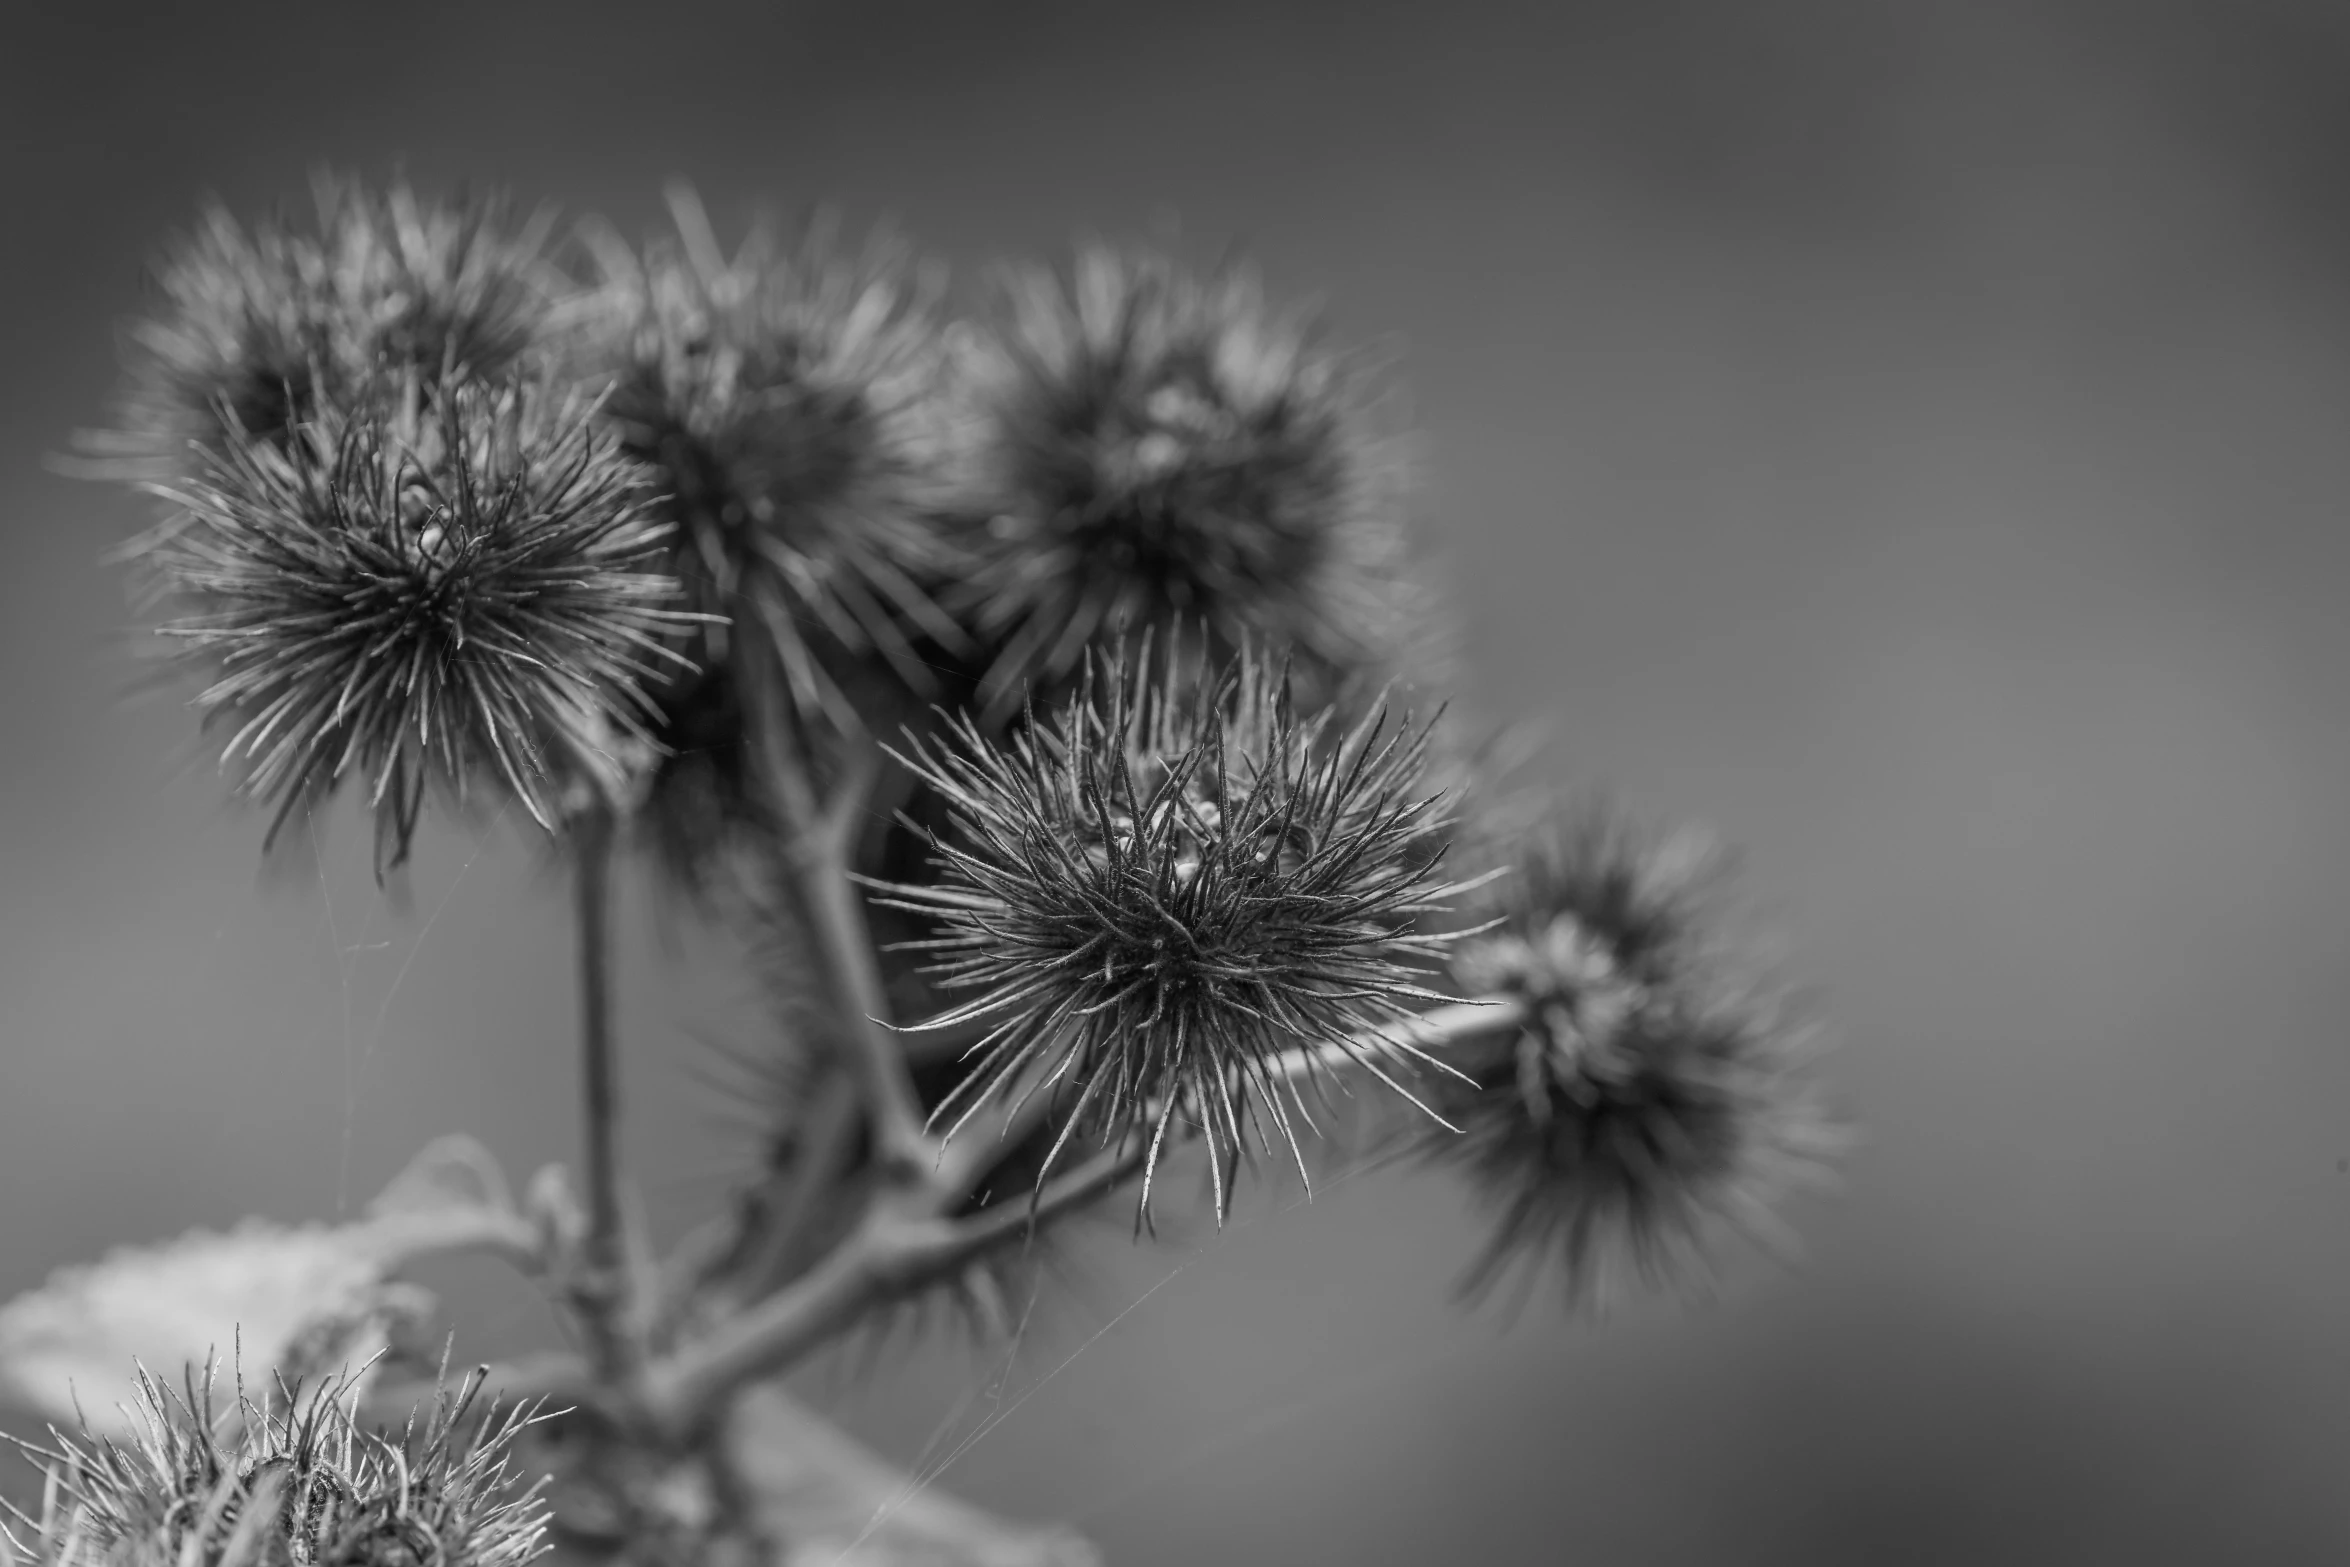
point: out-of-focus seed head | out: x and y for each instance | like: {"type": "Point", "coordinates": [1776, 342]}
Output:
{"type": "Point", "coordinates": [790, 400]}
{"type": "Point", "coordinates": [791, 404]}
{"type": "Point", "coordinates": [1179, 906]}
{"type": "Point", "coordinates": [285, 1480]}
{"type": "Point", "coordinates": [263, 328]}
{"type": "Point", "coordinates": [1655, 1094]}
{"type": "Point", "coordinates": [1159, 453]}
{"type": "Point", "coordinates": [455, 586]}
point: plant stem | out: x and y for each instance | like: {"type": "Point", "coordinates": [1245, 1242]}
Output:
{"type": "Point", "coordinates": [901, 1147]}
{"type": "Point", "coordinates": [685, 1391]}
{"type": "Point", "coordinates": [601, 1289]}
{"type": "Point", "coordinates": [903, 1243]}
{"type": "Point", "coordinates": [742, 1256]}
{"type": "Point", "coordinates": [817, 838]}
{"type": "Point", "coordinates": [892, 1251]}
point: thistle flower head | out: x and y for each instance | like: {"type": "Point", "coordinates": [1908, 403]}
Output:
{"type": "Point", "coordinates": [263, 328]}
{"type": "Point", "coordinates": [454, 590]}
{"type": "Point", "coordinates": [1158, 451]}
{"type": "Point", "coordinates": [1173, 904]}
{"type": "Point", "coordinates": [790, 402]}
{"type": "Point", "coordinates": [1653, 1095]}
{"type": "Point", "coordinates": [286, 1480]}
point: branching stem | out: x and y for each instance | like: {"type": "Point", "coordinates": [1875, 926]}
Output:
{"type": "Point", "coordinates": [903, 1243]}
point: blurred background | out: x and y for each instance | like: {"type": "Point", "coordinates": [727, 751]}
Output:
{"type": "Point", "coordinates": [1911, 438]}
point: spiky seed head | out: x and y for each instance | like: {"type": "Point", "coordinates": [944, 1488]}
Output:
{"type": "Point", "coordinates": [286, 1479]}
{"type": "Point", "coordinates": [790, 398]}
{"type": "Point", "coordinates": [1159, 451]}
{"type": "Point", "coordinates": [1173, 903]}
{"type": "Point", "coordinates": [262, 328]}
{"type": "Point", "coordinates": [454, 586]}
{"type": "Point", "coordinates": [789, 402]}
{"type": "Point", "coordinates": [1656, 1093]}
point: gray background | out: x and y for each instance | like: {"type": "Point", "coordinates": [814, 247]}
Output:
{"type": "Point", "coordinates": [1912, 438]}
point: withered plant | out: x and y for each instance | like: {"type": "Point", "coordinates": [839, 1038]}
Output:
{"type": "Point", "coordinates": [1040, 681]}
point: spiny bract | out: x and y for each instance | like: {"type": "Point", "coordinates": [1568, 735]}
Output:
{"type": "Point", "coordinates": [1174, 900]}
{"type": "Point", "coordinates": [1652, 1094]}
{"type": "Point", "coordinates": [455, 581]}
{"type": "Point", "coordinates": [264, 328]}
{"type": "Point", "coordinates": [286, 1481]}
{"type": "Point", "coordinates": [1158, 452]}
